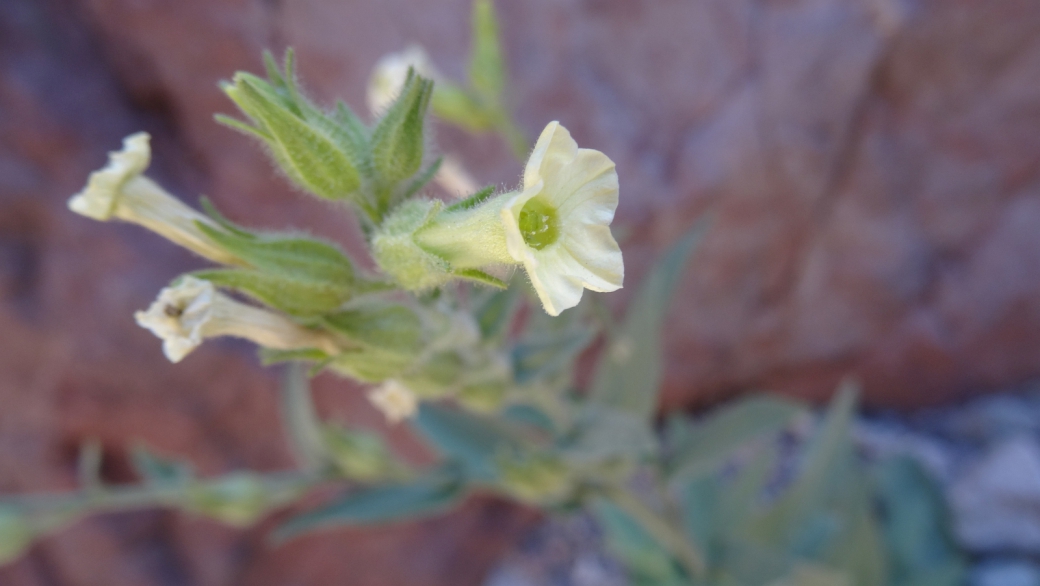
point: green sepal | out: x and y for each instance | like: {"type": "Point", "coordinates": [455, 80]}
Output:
{"type": "Point", "coordinates": [397, 141]}
{"type": "Point", "coordinates": [478, 276]}
{"type": "Point", "coordinates": [388, 339]}
{"type": "Point", "coordinates": [398, 255]}
{"type": "Point", "coordinates": [297, 257]}
{"type": "Point", "coordinates": [473, 200]}
{"type": "Point", "coordinates": [305, 299]}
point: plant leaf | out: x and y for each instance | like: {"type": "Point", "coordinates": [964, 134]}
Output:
{"type": "Point", "coordinates": [429, 494]}
{"type": "Point", "coordinates": [712, 440]}
{"type": "Point", "coordinates": [470, 440]}
{"type": "Point", "coordinates": [629, 374]}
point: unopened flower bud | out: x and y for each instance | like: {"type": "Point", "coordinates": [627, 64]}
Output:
{"type": "Point", "coordinates": [190, 311]}
{"type": "Point", "coordinates": [397, 140]}
{"type": "Point", "coordinates": [121, 191]}
{"type": "Point", "coordinates": [396, 401]}
{"type": "Point", "coordinates": [314, 151]}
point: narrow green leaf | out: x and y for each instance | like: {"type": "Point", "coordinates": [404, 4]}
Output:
{"type": "Point", "coordinates": [486, 70]}
{"type": "Point", "coordinates": [495, 310]}
{"type": "Point", "coordinates": [548, 356]}
{"type": "Point", "coordinates": [713, 439]}
{"type": "Point", "coordinates": [603, 434]}
{"type": "Point", "coordinates": [629, 374]}
{"type": "Point", "coordinates": [428, 495]}
{"type": "Point", "coordinates": [916, 525]}
{"type": "Point", "coordinates": [646, 562]}
{"type": "Point", "coordinates": [470, 440]}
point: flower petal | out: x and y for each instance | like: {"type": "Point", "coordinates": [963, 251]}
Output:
{"type": "Point", "coordinates": [594, 258]}
{"type": "Point", "coordinates": [553, 151]}
{"type": "Point", "coordinates": [551, 278]}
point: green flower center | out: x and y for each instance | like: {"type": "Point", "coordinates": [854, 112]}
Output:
{"type": "Point", "coordinates": [538, 224]}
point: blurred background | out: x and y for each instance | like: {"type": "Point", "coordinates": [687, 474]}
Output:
{"type": "Point", "coordinates": [872, 167]}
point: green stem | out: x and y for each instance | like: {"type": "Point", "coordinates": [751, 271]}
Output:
{"type": "Point", "coordinates": [59, 509]}
{"type": "Point", "coordinates": [661, 530]}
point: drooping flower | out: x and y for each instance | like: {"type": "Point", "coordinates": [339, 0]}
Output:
{"type": "Point", "coordinates": [396, 401]}
{"type": "Point", "coordinates": [190, 311]}
{"type": "Point", "coordinates": [120, 190]}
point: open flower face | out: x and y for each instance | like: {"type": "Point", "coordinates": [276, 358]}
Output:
{"type": "Point", "coordinates": [558, 226]}
{"type": "Point", "coordinates": [179, 316]}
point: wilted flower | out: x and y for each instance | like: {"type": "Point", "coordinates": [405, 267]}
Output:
{"type": "Point", "coordinates": [396, 401]}
{"type": "Point", "coordinates": [121, 191]}
{"type": "Point", "coordinates": [190, 311]}
{"type": "Point", "coordinates": [559, 225]}
{"type": "Point", "coordinates": [390, 73]}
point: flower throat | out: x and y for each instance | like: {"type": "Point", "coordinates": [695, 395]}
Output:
{"type": "Point", "coordinates": [538, 224]}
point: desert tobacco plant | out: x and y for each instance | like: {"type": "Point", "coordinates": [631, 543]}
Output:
{"type": "Point", "coordinates": [469, 332]}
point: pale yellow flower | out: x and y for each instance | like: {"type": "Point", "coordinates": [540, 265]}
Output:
{"type": "Point", "coordinates": [390, 73]}
{"type": "Point", "coordinates": [187, 313]}
{"type": "Point", "coordinates": [121, 191]}
{"type": "Point", "coordinates": [558, 225]}
{"type": "Point", "coordinates": [394, 400]}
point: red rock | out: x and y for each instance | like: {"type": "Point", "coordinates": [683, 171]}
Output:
{"type": "Point", "coordinates": [872, 167]}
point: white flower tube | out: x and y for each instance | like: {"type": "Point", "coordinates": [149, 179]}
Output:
{"type": "Point", "coordinates": [121, 191]}
{"type": "Point", "coordinates": [187, 313]}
